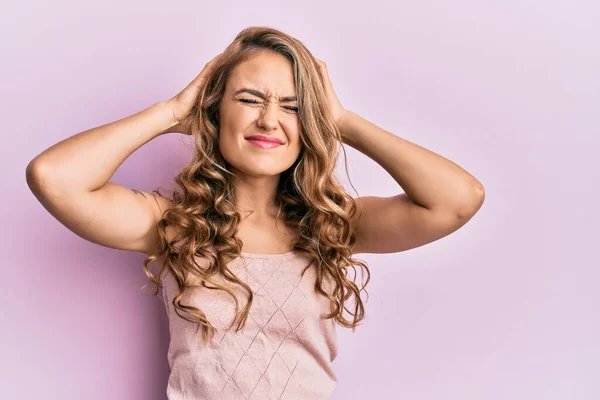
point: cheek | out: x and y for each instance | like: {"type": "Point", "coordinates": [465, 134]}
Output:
{"type": "Point", "coordinates": [232, 128]}
{"type": "Point", "coordinates": [294, 147]}
{"type": "Point", "coordinates": [229, 141]}
{"type": "Point", "coordinates": [291, 127]}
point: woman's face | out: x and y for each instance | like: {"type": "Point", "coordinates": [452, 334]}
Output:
{"type": "Point", "coordinates": [260, 99]}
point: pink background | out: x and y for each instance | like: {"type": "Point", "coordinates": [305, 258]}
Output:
{"type": "Point", "coordinates": [505, 308]}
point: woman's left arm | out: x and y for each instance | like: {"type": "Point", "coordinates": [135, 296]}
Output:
{"type": "Point", "coordinates": [439, 197]}
{"type": "Point", "coordinates": [429, 179]}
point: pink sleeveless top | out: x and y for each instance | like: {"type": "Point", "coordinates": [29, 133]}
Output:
{"type": "Point", "coordinates": [285, 350]}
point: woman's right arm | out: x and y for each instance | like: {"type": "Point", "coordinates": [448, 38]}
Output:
{"type": "Point", "coordinates": [71, 180]}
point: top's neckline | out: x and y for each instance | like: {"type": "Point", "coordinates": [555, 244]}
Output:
{"type": "Point", "coordinates": [266, 255]}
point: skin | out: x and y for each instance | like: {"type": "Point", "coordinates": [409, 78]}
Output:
{"type": "Point", "coordinates": [257, 170]}
{"type": "Point", "coordinates": [71, 179]}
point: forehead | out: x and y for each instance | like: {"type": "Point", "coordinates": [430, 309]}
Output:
{"type": "Point", "coordinates": [267, 71]}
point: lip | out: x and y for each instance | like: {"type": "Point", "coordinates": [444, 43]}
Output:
{"type": "Point", "coordinates": [264, 142]}
{"type": "Point", "coordinates": [264, 138]}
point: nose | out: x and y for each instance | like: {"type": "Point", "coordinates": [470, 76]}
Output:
{"type": "Point", "coordinates": [268, 117]}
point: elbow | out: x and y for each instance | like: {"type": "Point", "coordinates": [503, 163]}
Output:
{"type": "Point", "coordinates": [31, 173]}
{"type": "Point", "coordinates": [35, 176]}
{"type": "Point", "coordinates": [472, 205]}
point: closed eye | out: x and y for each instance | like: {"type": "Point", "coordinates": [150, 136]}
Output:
{"type": "Point", "coordinates": [250, 101]}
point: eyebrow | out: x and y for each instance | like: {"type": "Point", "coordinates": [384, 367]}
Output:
{"type": "Point", "coordinates": [263, 96]}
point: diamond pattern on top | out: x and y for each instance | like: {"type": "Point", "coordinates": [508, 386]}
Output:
{"type": "Point", "coordinates": [246, 375]}
{"type": "Point", "coordinates": [279, 288]}
{"type": "Point", "coordinates": [262, 308]}
{"type": "Point", "coordinates": [265, 356]}
{"type": "Point", "coordinates": [261, 352]}
{"type": "Point", "coordinates": [263, 391]}
{"type": "Point", "coordinates": [277, 329]}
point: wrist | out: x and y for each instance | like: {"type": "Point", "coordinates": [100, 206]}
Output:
{"type": "Point", "coordinates": [166, 110]}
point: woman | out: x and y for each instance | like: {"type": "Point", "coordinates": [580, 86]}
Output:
{"type": "Point", "coordinates": [254, 250]}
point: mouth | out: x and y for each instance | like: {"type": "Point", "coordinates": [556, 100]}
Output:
{"type": "Point", "coordinates": [265, 142]}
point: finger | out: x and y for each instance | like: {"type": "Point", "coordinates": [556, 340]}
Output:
{"type": "Point", "coordinates": [207, 67]}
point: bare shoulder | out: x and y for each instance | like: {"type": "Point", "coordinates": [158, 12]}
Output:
{"type": "Point", "coordinates": [162, 203]}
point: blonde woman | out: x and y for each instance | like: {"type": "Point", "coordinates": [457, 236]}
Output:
{"type": "Point", "coordinates": [253, 251]}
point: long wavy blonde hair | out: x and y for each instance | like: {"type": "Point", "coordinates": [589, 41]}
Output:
{"type": "Point", "coordinates": [203, 217]}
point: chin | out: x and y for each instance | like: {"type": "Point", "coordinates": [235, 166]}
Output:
{"type": "Point", "coordinates": [256, 169]}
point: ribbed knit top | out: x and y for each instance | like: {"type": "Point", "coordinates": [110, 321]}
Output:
{"type": "Point", "coordinates": [285, 350]}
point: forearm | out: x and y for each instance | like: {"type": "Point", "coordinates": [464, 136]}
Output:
{"type": "Point", "coordinates": [427, 178]}
{"type": "Point", "coordinates": [86, 161]}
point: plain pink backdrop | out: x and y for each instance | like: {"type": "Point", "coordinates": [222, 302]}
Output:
{"type": "Point", "coordinates": [505, 308]}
